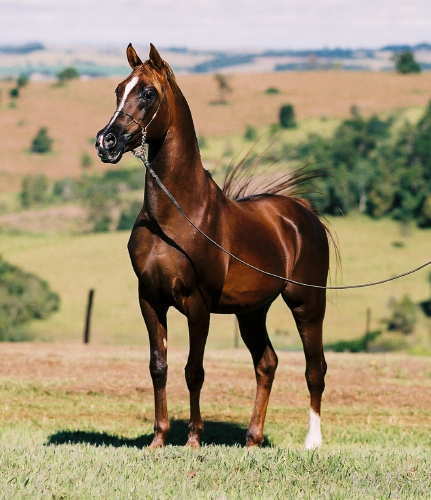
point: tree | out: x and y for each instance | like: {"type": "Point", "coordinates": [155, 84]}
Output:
{"type": "Point", "coordinates": [250, 133]}
{"type": "Point", "coordinates": [287, 116]}
{"type": "Point", "coordinates": [66, 74]}
{"type": "Point", "coordinates": [14, 93]}
{"type": "Point", "coordinates": [23, 297]}
{"type": "Point", "coordinates": [34, 190]}
{"type": "Point", "coordinates": [405, 63]}
{"type": "Point", "coordinates": [41, 143]}
{"type": "Point", "coordinates": [223, 88]}
{"type": "Point", "coordinates": [22, 80]}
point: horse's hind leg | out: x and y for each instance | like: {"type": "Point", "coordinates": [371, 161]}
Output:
{"type": "Point", "coordinates": [309, 321]}
{"type": "Point", "coordinates": [253, 331]}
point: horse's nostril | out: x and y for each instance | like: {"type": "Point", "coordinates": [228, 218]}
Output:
{"type": "Point", "coordinates": [109, 141]}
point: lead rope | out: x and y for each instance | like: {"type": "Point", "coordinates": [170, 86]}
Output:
{"type": "Point", "coordinates": [141, 152]}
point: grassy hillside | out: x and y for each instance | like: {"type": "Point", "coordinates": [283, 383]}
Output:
{"type": "Point", "coordinates": [74, 113]}
{"type": "Point", "coordinates": [73, 264]}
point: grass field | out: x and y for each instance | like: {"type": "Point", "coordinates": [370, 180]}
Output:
{"type": "Point", "coordinates": [74, 113]}
{"type": "Point", "coordinates": [73, 264]}
{"type": "Point", "coordinates": [75, 421]}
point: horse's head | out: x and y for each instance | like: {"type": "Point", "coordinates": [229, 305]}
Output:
{"type": "Point", "coordinates": [142, 101]}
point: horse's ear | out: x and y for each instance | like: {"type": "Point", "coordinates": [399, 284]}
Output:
{"type": "Point", "coordinates": [155, 57]}
{"type": "Point", "coordinates": [133, 57]}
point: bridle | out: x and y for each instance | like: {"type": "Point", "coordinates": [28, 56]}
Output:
{"type": "Point", "coordinates": [141, 152]}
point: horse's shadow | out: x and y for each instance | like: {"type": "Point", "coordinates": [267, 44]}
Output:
{"type": "Point", "coordinates": [215, 433]}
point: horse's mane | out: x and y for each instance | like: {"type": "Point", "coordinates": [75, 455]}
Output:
{"type": "Point", "coordinates": [242, 183]}
{"type": "Point", "coordinates": [242, 180]}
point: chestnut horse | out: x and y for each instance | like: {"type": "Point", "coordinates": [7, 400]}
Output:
{"type": "Point", "coordinates": [176, 266]}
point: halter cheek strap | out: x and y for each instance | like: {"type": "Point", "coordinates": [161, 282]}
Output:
{"type": "Point", "coordinates": [139, 151]}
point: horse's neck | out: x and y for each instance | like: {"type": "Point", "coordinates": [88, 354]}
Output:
{"type": "Point", "coordinates": [177, 162]}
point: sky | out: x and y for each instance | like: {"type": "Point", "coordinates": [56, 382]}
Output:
{"type": "Point", "coordinates": [212, 24]}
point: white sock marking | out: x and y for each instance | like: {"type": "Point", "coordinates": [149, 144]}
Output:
{"type": "Point", "coordinates": [314, 436]}
{"type": "Point", "coordinates": [127, 91]}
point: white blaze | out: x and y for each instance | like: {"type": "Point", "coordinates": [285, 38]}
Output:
{"type": "Point", "coordinates": [314, 436]}
{"type": "Point", "coordinates": [130, 85]}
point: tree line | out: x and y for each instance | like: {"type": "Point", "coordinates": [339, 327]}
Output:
{"type": "Point", "coordinates": [372, 165]}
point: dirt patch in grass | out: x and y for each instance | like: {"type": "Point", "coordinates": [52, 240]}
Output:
{"type": "Point", "coordinates": [377, 382]}
{"type": "Point", "coordinates": [52, 219]}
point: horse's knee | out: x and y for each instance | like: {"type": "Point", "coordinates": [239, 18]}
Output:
{"type": "Point", "coordinates": [195, 376]}
{"type": "Point", "coordinates": [158, 369]}
{"type": "Point", "coordinates": [267, 365]}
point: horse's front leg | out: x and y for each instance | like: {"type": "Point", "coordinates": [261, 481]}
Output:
{"type": "Point", "coordinates": [155, 319]}
{"type": "Point", "coordinates": [198, 322]}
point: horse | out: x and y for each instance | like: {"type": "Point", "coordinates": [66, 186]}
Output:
{"type": "Point", "coordinates": [176, 267]}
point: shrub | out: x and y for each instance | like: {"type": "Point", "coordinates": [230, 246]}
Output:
{"type": "Point", "coordinates": [41, 143]}
{"type": "Point", "coordinates": [387, 342]}
{"type": "Point", "coordinates": [404, 315]}
{"type": "Point", "coordinates": [86, 160]}
{"type": "Point", "coordinates": [100, 199]}
{"type": "Point", "coordinates": [287, 116]}
{"type": "Point", "coordinates": [128, 215]}
{"type": "Point", "coordinates": [34, 190]}
{"type": "Point", "coordinates": [405, 63]}
{"type": "Point", "coordinates": [250, 133]}
{"type": "Point", "coordinates": [14, 93]}
{"type": "Point", "coordinates": [66, 74]}
{"type": "Point", "coordinates": [66, 189]}
{"type": "Point", "coordinates": [356, 345]}
{"type": "Point", "coordinates": [133, 178]}
{"type": "Point", "coordinates": [272, 91]}
{"type": "Point", "coordinates": [23, 298]}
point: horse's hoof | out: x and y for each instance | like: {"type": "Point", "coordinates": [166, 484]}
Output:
{"type": "Point", "coordinates": [157, 442]}
{"type": "Point", "coordinates": [250, 443]}
{"type": "Point", "coordinates": [194, 440]}
{"type": "Point", "coordinates": [193, 443]}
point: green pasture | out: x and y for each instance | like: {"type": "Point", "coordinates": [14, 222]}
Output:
{"type": "Point", "coordinates": [72, 264]}
{"type": "Point", "coordinates": [59, 439]}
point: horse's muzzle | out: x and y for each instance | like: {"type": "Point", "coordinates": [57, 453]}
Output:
{"type": "Point", "coordinates": [109, 145]}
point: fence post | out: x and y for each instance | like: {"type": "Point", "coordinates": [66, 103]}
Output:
{"type": "Point", "coordinates": [87, 326]}
{"type": "Point", "coordinates": [368, 323]}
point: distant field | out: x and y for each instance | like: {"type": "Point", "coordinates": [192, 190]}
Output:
{"type": "Point", "coordinates": [75, 422]}
{"type": "Point", "coordinates": [74, 113]}
{"type": "Point", "coordinates": [73, 264]}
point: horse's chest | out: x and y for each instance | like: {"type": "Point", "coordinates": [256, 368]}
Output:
{"type": "Point", "coordinates": [156, 264]}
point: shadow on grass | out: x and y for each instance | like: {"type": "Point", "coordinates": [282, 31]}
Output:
{"type": "Point", "coordinates": [215, 433]}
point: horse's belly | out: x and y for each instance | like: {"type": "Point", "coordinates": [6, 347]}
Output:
{"type": "Point", "coordinates": [243, 292]}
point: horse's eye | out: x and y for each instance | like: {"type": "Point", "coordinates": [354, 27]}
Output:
{"type": "Point", "coordinates": [148, 94]}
